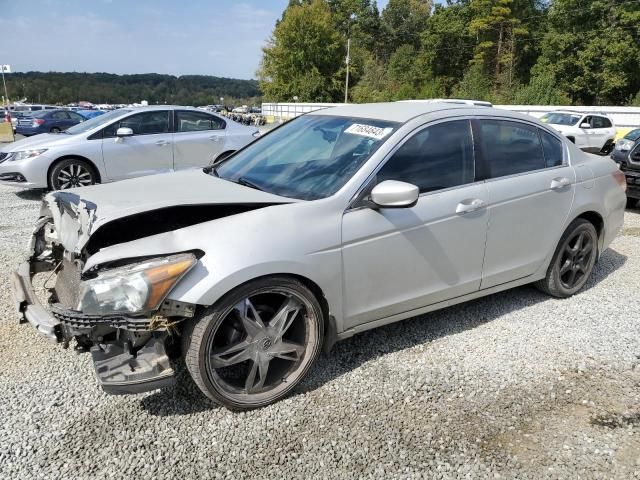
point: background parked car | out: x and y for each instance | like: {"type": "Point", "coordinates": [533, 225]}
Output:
{"type": "Point", "coordinates": [124, 143]}
{"type": "Point", "coordinates": [90, 113]}
{"type": "Point", "coordinates": [591, 132]}
{"type": "Point", "coordinates": [627, 155]}
{"type": "Point", "coordinates": [48, 121]}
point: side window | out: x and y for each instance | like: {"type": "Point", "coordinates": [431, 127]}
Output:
{"type": "Point", "coordinates": [188, 121]}
{"type": "Point", "coordinates": [552, 149]}
{"type": "Point", "coordinates": [510, 147]}
{"type": "Point", "coordinates": [59, 116]}
{"type": "Point", "coordinates": [147, 123]}
{"type": "Point", "coordinates": [588, 120]}
{"type": "Point", "coordinates": [440, 156]}
{"type": "Point", "coordinates": [76, 117]}
{"type": "Point", "coordinates": [600, 122]}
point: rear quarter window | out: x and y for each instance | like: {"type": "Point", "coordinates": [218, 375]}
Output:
{"type": "Point", "coordinates": [552, 147]}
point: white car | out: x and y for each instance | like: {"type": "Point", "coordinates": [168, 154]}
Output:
{"type": "Point", "coordinates": [124, 143]}
{"type": "Point", "coordinates": [592, 132]}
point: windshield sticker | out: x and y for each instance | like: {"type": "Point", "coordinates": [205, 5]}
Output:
{"type": "Point", "coordinates": [368, 131]}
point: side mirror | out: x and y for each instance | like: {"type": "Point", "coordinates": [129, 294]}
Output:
{"type": "Point", "coordinates": [585, 125]}
{"type": "Point", "coordinates": [124, 132]}
{"type": "Point", "coordinates": [395, 194]}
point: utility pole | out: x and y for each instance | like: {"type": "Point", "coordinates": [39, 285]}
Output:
{"type": "Point", "coordinates": [346, 85]}
{"type": "Point", "coordinates": [6, 95]}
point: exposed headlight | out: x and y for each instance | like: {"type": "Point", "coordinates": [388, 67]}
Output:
{"type": "Point", "coordinates": [624, 144]}
{"type": "Point", "coordinates": [24, 154]}
{"type": "Point", "coordinates": [133, 289]}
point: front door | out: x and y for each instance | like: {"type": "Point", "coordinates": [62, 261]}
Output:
{"type": "Point", "coordinates": [148, 151]}
{"type": "Point", "coordinates": [397, 260]}
{"type": "Point", "coordinates": [199, 139]}
{"type": "Point", "coordinates": [530, 190]}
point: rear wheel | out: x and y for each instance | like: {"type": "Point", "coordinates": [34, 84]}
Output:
{"type": "Point", "coordinates": [632, 202]}
{"type": "Point", "coordinates": [55, 130]}
{"type": "Point", "coordinates": [573, 260]}
{"type": "Point", "coordinates": [255, 345]}
{"type": "Point", "coordinates": [71, 173]}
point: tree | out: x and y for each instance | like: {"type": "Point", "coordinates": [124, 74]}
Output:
{"type": "Point", "coordinates": [304, 56]}
{"type": "Point", "coordinates": [403, 21]}
{"type": "Point", "coordinates": [497, 30]}
{"type": "Point", "coordinates": [592, 52]}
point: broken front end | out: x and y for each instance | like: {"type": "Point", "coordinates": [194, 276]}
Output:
{"type": "Point", "coordinates": [118, 311]}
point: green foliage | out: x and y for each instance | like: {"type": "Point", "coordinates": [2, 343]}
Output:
{"type": "Point", "coordinates": [304, 57]}
{"type": "Point", "coordinates": [54, 87]}
{"type": "Point", "coordinates": [504, 51]}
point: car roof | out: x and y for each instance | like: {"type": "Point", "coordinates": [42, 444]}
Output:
{"type": "Point", "coordinates": [402, 112]}
{"type": "Point", "coordinates": [576, 112]}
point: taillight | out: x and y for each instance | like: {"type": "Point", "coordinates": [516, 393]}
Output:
{"type": "Point", "coordinates": [618, 176]}
{"type": "Point", "coordinates": [37, 122]}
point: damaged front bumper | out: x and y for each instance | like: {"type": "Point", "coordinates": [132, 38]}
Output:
{"type": "Point", "coordinates": [129, 354]}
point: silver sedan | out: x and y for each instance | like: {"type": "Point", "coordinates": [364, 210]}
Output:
{"type": "Point", "coordinates": [334, 223]}
{"type": "Point", "coordinates": [125, 143]}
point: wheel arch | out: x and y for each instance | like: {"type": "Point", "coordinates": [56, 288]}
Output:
{"type": "Point", "coordinates": [70, 157]}
{"type": "Point", "coordinates": [329, 321]}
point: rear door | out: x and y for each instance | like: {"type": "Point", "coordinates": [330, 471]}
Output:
{"type": "Point", "coordinates": [530, 188]}
{"type": "Point", "coordinates": [600, 127]}
{"type": "Point", "coordinates": [149, 150]}
{"type": "Point", "coordinates": [198, 139]}
{"type": "Point", "coordinates": [60, 119]}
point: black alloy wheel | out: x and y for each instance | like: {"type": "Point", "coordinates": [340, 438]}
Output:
{"type": "Point", "coordinates": [573, 260]}
{"type": "Point", "coordinates": [256, 344]}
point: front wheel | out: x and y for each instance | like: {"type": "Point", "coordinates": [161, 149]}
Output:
{"type": "Point", "coordinates": [573, 261]}
{"type": "Point", "coordinates": [256, 344]}
{"type": "Point", "coordinates": [71, 173]}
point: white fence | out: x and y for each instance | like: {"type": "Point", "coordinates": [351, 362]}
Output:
{"type": "Point", "coordinates": [623, 117]}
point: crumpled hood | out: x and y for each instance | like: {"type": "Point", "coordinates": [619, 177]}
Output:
{"type": "Point", "coordinates": [80, 212]}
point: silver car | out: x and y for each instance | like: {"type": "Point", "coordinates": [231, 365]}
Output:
{"type": "Point", "coordinates": [336, 222]}
{"type": "Point", "coordinates": [124, 143]}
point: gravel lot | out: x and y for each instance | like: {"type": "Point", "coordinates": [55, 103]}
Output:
{"type": "Point", "coordinates": [516, 385]}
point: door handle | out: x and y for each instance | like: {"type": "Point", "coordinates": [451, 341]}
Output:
{"type": "Point", "coordinates": [559, 183]}
{"type": "Point", "coordinates": [470, 205]}
{"type": "Point", "coordinates": [162, 143]}
{"type": "Point", "coordinates": [214, 138]}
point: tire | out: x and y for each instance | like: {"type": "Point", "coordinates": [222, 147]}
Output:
{"type": "Point", "coordinates": [607, 148]}
{"type": "Point", "coordinates": [632, 202]}
{"type": "Point", "coordinates": [76, 172]}
{"type": "Point", "coordinates": [55, 130]}
{"type": "Point", "coordinates": [577, 266]}
{"type": "Point", "coordinates": [286, 335]}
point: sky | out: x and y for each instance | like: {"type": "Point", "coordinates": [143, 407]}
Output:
{"type": "Point", "coordinates": [206, 37]}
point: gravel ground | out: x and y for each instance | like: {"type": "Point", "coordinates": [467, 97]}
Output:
{"type": "Point", "coordinates": [516, 385]}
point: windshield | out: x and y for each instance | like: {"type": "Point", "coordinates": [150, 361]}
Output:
{"type": "Point", "coordinates": [96, 122]}
{"type": "Point", "coordinates": [633, 135]}
{"type": "Point", "coordinates": [560, 118]}
{"type": "Point", "coordinates": [308, 158]}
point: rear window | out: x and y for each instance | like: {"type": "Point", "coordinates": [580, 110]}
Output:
{"type": "Point", "coordinates": [40, 114]}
